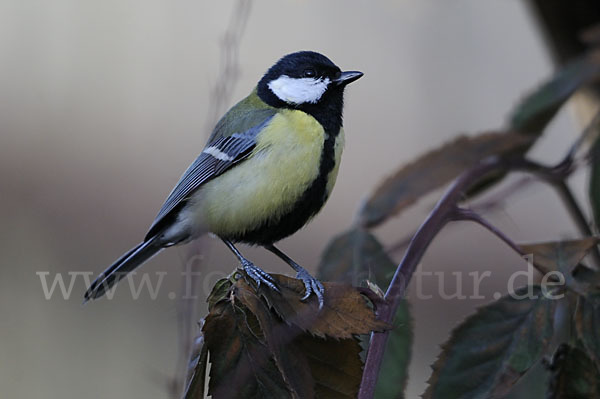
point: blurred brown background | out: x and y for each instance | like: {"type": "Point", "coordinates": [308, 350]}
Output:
{"type": "Point", "coordinates": [104, 103]}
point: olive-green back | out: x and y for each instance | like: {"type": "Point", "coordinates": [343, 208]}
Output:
{"type": "Point", "coordinates": [249, 112]}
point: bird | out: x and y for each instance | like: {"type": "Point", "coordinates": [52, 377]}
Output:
{"type": "Point", "coordinates": [268, 168]}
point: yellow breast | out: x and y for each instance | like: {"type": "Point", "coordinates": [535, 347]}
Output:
{"type": "Point", "coordinates": [284, 163]}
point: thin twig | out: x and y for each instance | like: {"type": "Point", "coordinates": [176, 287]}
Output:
{"type": "Point", "coordinates": [467, 214]}
{"type": "Point", "coordinates": [489, 205]}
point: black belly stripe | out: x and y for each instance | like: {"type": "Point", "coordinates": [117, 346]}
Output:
{"type": "Point", "coordinates": [308, 205]}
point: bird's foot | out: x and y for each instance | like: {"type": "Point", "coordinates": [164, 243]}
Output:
{"type": "Point", "coordinates": [311, 285]}
{"type": "Point", "coordinates": [259, 275]}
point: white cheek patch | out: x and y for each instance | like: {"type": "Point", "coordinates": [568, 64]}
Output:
{"type": "Point", "coordinates": [299, 90]}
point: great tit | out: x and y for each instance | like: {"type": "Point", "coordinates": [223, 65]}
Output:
{"type": "Point", "coordinates": [268, 168]}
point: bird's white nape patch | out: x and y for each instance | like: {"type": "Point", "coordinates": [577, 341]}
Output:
{"type": "Point", "coordinates": [299, 90]}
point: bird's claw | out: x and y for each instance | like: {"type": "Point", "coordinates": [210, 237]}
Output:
{"type": "Point", "coordinates": [311, 285]}
{"type": "Point", "coordinates": [259, 275]}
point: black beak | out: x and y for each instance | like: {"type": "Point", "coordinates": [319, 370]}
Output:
{"type": "Point", "coordinates": [348, 77]}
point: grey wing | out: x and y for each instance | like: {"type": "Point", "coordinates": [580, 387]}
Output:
{"type": "Point", "coordinates": [216, 158]}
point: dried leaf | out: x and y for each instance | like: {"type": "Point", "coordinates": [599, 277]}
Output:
{"type": "Point", "coordinates": [354, 257]}
{"type": "Point", "coordinates": [255, 353]}
{"type": "Point", "coordinates": [574, 375]}
{"type": "Point", "coordinates": [240, 365]}
{"type": "Point", "coordinates": [493, 348]}
{"type": "Point", "coordinates": [334, 364]}
{"type": "Point", "coordinates": [345, 312]}
{"type": "Point", "coordinates": [433, 170]}
{"type": "Point", "coordinates": [534, 113]}
{"type": "Point", "coordinates": [278, 337]}
{"type": "Point", "coordinates": [564, 257]}
{"type": "Point", "coordinates": [587, 325]}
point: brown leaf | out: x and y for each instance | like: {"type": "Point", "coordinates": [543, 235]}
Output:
{"type": "Point", "coordinates": [254, 352]}
{"type": "Point", "coordinates": [564, 257]}
{"type": "Point", "coordinates": [240, 367]}
{"type": "Point", "coordinates": [433, 170]}
{"type": "Point", "coordinates": [334, 364]}
{"type": "Point", "coordinates": [345, 312]}
{"type": "Point", "coordinates": [278, 336]}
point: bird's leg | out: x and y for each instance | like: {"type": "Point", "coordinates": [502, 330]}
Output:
{"type": "Point", "coordinates": [311, 284]}
{"type": "Point", "coordinates": [256, 273]}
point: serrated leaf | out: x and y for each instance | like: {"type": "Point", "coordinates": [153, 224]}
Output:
{"type": "Point", "coordinates": [240, 365]}
{"type": "Point", "coordinates": [574, 375]}
{"type": "Point", "coordinates": [493, 348]}
{"type": "Point", "coordinates": [345, 312]}
{"type": "Point", "coordinates": [564, 257]}
{"type": "Point", "coordinates": [255, 353]}
{"type": "Point", "coordinates": [587, 325]}
{"type": "Point", "coordinates": [534, 113]}
{"type": "Point", "coordinates": [355, 256]}
{"type": "Point", "coordinates": [278, 337]}
{"type": "Point", "coordinates": [433, 170]}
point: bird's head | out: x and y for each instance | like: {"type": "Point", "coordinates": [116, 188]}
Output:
{"type": "Point", "coordinates": [304, 78]}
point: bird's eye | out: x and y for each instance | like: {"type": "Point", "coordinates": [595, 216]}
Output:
{"type": "Point", "coordinates": [310, 73]}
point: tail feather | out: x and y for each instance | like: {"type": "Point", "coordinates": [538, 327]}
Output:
{"type": "Point", "coordinates": [121, 267]}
